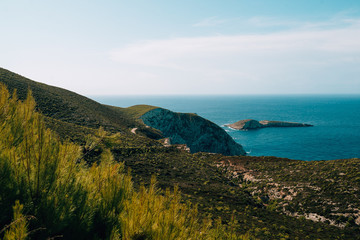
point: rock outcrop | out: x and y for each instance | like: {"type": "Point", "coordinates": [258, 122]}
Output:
{"type": "Point", "coordinates": [199, 134]}
{"type": "Point", "coordinates": [254, 124]}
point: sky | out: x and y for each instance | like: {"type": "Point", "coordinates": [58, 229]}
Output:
{"type": "Point", "coordinates": [205, 47]}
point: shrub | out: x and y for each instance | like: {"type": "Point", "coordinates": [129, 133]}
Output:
{"type": "Point", "coordinates": [73, 200]}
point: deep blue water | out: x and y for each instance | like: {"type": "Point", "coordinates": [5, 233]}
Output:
{"type": "Point", "coordinates": [336, 120]}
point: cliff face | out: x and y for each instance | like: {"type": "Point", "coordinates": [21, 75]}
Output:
{"type": "Point", "coordinates": [199, 134]}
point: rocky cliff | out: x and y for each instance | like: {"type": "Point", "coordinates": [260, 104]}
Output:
{"type": "Point", "coordinates": [199, 134]}
{"type": "Point", "coordinates": [254, 124]}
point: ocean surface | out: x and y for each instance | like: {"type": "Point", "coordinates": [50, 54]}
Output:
{"type": "Point", "coordinates": [336, 120]}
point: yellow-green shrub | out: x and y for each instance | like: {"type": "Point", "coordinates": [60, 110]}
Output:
{"type": "Point", "coordinates": [72, 200]}
{"type": "Point", "coordinates": [18, 228]}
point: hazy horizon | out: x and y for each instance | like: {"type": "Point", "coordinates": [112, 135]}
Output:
{"type": "Point", "coordinates": [142, 48]}
{"type": "Point", "coordinates": [224, 95]}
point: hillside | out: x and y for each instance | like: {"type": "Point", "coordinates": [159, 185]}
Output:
{"type": "Point", "coordinates": [267, 197]}
{"type": "Point", "coordinates": [67, 106]}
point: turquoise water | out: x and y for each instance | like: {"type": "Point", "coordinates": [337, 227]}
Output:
{"type": "Point", "coordinates": [336, 120]}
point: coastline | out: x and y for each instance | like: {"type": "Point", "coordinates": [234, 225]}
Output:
{"type": "Point", "coordinates": [334, 137]}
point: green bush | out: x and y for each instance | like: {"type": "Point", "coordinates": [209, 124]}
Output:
{"type": "Point", "coordinates": [72, 200]}
{"type": "Point", "coordinates": [18, 229]}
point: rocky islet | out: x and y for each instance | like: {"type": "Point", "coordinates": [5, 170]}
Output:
{"type": "Point", "coordinates": [249, 124]}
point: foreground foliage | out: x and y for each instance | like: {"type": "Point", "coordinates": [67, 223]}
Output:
{"type": "Point", "coordinates": [47, 191]}
{"type": "Point", "coordinates": [263, 197]}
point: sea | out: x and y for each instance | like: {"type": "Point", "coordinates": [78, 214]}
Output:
{"type": "Point", "coordinates": [336, 120]}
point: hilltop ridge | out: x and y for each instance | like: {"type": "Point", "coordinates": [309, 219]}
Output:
{"type": "Point", "coordinates": [67, 106]}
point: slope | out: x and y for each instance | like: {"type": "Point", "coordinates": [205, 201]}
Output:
{"type": "Point", "coordinates": [67, 106]}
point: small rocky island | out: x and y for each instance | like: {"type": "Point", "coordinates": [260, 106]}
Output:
{"type": "Point", "coordinates": [254, 124]}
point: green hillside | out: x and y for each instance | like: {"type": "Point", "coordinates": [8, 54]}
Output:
{"type": "Point", "coordinates": [256, 197]}
{"type": "Point", "coordinates": [69, 107]}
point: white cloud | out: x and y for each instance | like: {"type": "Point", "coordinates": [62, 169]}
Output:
{"type": "Point", "coordinates": [261, 21]}
{"type": "Point", "coordinates": [167, 53]}
{"type": "Point", "coordinates": [210, 22]}
{"type": "Point", "coordinates": [257, 63]}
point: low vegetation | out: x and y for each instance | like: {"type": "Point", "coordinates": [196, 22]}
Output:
{"type": "Point", "coordinates": [47, 190]}
{"type": "Point", "coordinates": [322, 191]}
{"type": "Point", "coordinates": [92, 178]}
